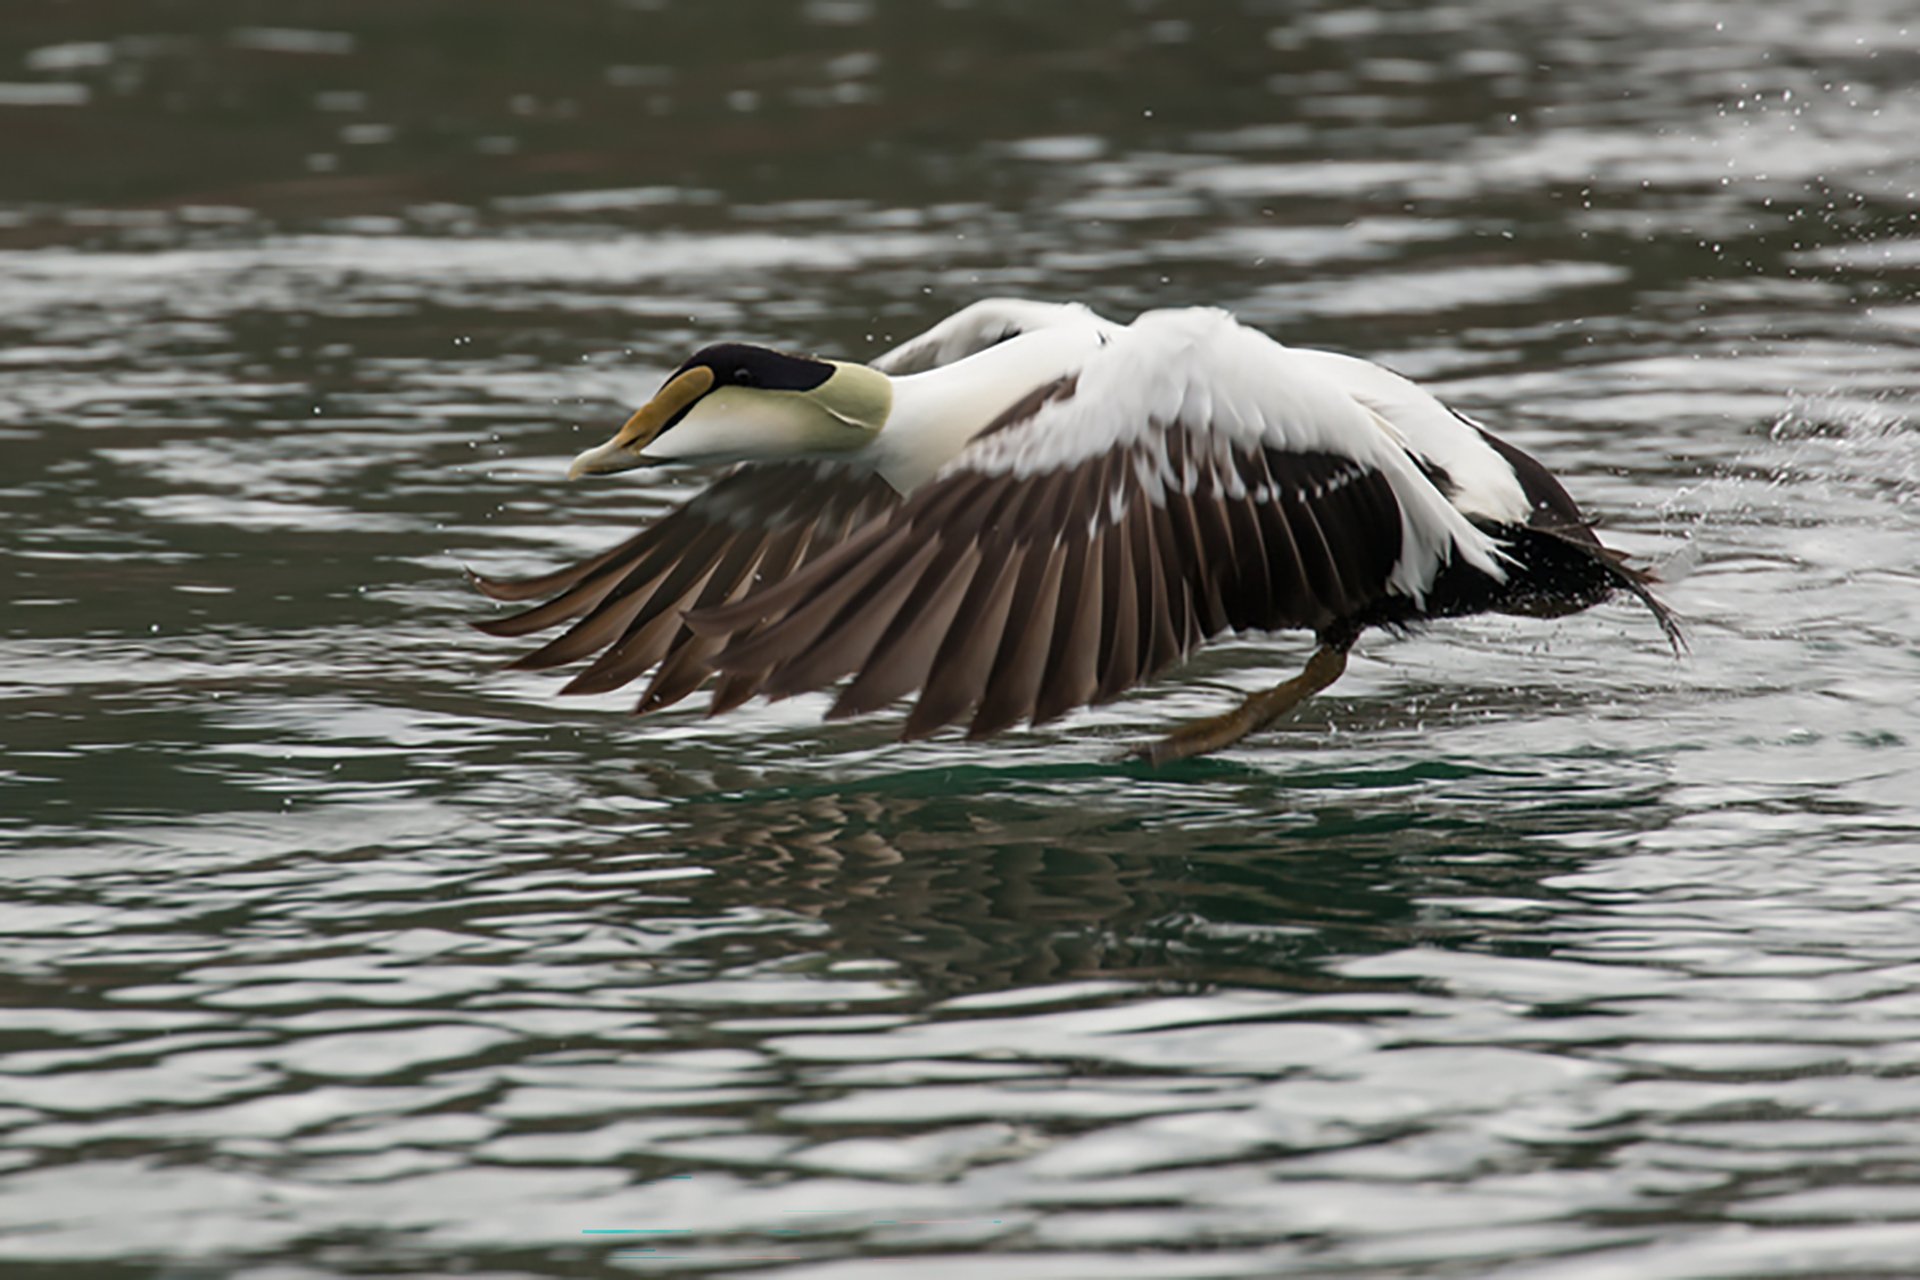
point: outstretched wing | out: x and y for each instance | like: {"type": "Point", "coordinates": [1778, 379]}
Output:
{"type": "Point", "coordinates": [1190, 478]}
{"type": "Point", "coordinates": [987, 323]}
{"type": "Point", "coordinates": [751, 528]}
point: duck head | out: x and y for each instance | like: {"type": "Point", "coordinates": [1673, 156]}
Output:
{"type": "Point", "coordinates": [734, 402]}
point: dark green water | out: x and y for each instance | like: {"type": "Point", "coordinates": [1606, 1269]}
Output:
{"type": "Point", "coordinates": [1527, 951]}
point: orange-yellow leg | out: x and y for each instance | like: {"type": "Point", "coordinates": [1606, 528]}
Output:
{"type": "Point", "coordinates": [1259, 710]}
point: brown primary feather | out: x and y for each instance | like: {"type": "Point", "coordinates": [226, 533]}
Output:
{"type": "Point", "coordinates": [1166, 610]}
{"type": "Point", "coordinates": [731, 576]}
{"type": "Point", "coordinates": [512, 589]}
{"type": "Point", "coordinates": [735, 687]}
{"type": "Point", "coordinates": [780, 597]}
{"type": "Point", "coordinates": [1285, 560]}
{"type": "Point", "coordinates": [1254, 579]}
{"type": "Point", "coordinates": [599, 630]}
{"type": "Point", "coordinates": [748, 531]}
{"type": "Point", "coordinates": [904, 654]}
{"type": "Point", "coordinates": [685, 666]}
{"type": "Point", "coordinates": [666, 636]}
{"type": "Point", "coordinates": [889, 608]}
{"type": "Point", "coordinates": [1120, 621]}
{"type": "Point", "coordinates": [657, 582]}
{"type": "Point", "coordinates": [658, 615]}
{"type": "Point", "coordinates": [657, 549]}
{"type": "Point", "coordinates": [965, 659]}
{"type": "Point", "coordinates": [646, 639]}
{"type": "Point", "coordinates": [1191, 552]}
{"type": "Point", "coordinates": [570, 603]}
{"type": "Point", "coordinates": [1072, 669]}
{"type": "Point", "coordinates": [851, 616]}
{"type": "Point", "coordinates": [1022, 658]}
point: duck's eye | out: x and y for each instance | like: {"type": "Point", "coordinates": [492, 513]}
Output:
{"type": "Point", "coordinates": [743, 377]}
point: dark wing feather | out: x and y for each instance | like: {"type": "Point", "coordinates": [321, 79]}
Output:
{"type": "Point", "coordinates": [1000, 596]}
{"type": "Point", "coordinates": [851, 615]}
{"type": "Point", "coordinates": [1163, 615]}
{"type": "Point", "coordinates": [1120, 623]}
{"type": "Point", "coordinates": [1022, 661]}
{"type": "Point", "coordinates": [1072, 673]}
{"type": "Point", "coordinates": [1552, 507]}
{"type": "Point", "coordinates": [965, 660]}
{"type": "Point", "coordinates": [741, 536]}
{"type": "Point", "coordinates": [515, 589]}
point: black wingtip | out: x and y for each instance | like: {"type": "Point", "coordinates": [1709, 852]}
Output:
{"type": "Point", "coordinates": [492, 588]}
{"type": "Point", "coordinates": [507, 589]}
{"type": "Point", "coordinates": [1639, 582]}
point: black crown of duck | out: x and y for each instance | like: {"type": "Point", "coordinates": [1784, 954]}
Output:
{"type": "Point", "coordinates": [1029, 508]}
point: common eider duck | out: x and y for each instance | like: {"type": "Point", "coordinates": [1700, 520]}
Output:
{"type": "Point", "coordinates": [1030, 508]}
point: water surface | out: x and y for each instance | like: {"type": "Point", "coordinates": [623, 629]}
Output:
{"type": "Point", "coordinates": [1526, 951]}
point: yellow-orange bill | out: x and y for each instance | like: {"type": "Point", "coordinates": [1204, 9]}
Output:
{"type": "Point", "coordinates": [625, 449]}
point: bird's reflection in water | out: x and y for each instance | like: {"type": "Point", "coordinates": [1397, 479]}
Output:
{"type": "Point", "coordinates": [979, 880]}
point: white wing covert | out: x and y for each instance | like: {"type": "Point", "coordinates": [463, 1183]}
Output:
{"type": "Point", "coordinates": [974, 328]}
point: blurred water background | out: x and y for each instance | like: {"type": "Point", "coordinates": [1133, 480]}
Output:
{"type": "Point", "coordinates": [326, 949]}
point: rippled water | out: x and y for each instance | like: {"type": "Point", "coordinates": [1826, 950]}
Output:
{"type": "Point", "coordinates": [1526, 951]}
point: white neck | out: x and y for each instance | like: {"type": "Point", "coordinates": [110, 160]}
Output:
{"type": "Point", "coordinates": [937, 413]}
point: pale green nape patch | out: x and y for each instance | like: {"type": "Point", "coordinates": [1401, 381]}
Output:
{"type": "Point", "coordinates": [858, 396]}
